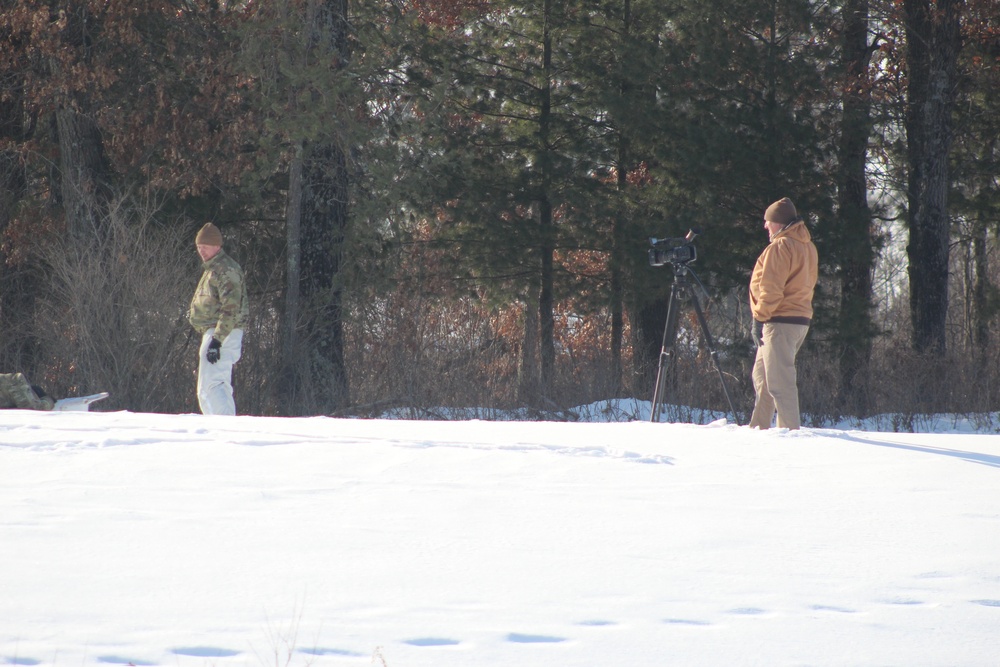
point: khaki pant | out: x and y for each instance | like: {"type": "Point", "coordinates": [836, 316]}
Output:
{"type": "Point", "coordinates": [774, 378]}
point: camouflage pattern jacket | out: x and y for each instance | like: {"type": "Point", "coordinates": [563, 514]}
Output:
{"type": "Point", "coordinates": [220, 300]}
{"type": "Point", "coordinates": [15, 392]}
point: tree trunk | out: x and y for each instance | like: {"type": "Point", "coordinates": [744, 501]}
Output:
{"type": "Point", "coordinates": [527, 371]}
{"type": "Point", "coordinates": [293, 277]}
{"type": "Point", "coordinates": [619, 232]}
{"type": "Point", "coordinates": [648, 326]}
{"type": "Point", "coordinates": [854, 327]}
{"type": "Point", "coordinates": [546, 301]}
{"type": "Point", "coordinates": [617, 298]}
{"type": "Point", "coordinates": [546, 298]}
{"type": "Point", "coordinates": [83, 169]}
{"type": "Point", "coordinates": [13, 180]}
{"type": "Point", "coordinates": [17, 289]}
{"type": "Point", "coordinates": [324, 227]}
{"type": "Point", "coordinates": [933, 42]}
{"type": "Point", "coordinates": [320, 376]}
{"type": "Point", "coordinates": [981, 290]}
{"type": "Point", "coordinates": [83, 173]}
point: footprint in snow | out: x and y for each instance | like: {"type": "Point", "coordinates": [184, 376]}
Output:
{"type": "Point", "coordinates": [431, 641]}
{"type": "Point", "coordinates": [829, 607]}
{"type": "Point", "coordinates": [519, 638]}
{"type": "Point", "coordinates": [747, 611]}
{"type": "Point", "coordinates": [331, 651]}
{"type": "Point", "coordinates": [204, 652]}
{"type": "Point", "coordinates": [118, 660]}
{"type": "Point", "coordinates": [685, 621]}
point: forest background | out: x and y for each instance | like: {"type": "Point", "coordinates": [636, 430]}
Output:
{"type": "Point", "coordinates": [448, 203]}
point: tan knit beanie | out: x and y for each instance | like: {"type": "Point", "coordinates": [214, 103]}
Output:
{"type": "Point", "coordinates": [209, 235]}
{"type": "Point", "coordinates": [782, 211]}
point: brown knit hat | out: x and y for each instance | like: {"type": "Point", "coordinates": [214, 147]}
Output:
{"type": "Point", "coordinates": [782, 212]}
{"type": "Point", "coordinates": [209, 235]}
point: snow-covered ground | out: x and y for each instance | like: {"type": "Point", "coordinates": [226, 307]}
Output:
{"type": "Point", "coordinates": [188, 540]}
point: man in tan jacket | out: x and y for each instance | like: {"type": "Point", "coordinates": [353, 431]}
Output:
{"type": "Point", "coordinates": [781, 293]}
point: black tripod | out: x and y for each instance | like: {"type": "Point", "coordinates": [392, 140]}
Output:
{"type": "Point", "coordinates": [681, 290]}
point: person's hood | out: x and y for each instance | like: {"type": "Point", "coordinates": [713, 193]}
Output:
{"type": "Point", "coordinates": [796, 231]}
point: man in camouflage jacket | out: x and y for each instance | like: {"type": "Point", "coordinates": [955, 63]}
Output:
{"type": "Point", "coordinates": [218, 311]}
{"type": "Point", "coordinates": [16, 392]}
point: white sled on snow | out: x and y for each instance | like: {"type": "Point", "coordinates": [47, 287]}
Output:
{"type": "Point", "coordinates": [78, 403]}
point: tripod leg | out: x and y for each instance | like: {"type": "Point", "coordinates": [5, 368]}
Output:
{"type": "Point", "coordinates": [710, 342]}
{"type": "Point", "coordinates": [666, 352]}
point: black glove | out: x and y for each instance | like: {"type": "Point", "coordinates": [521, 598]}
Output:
{"type": "Point", "coordinates": [757, 331]}
{"type": "Point", "coordinates": [212, 354]}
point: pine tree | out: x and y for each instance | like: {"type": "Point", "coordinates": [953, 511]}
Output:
{"type": "Point", "coordinates": [299, 55]}
{"type": "Point", "coordinates": [853, 242]}
{"type": "Point", "coordinates": [933, 41]}
{"type": "Point", "coordinates": [975, 161]}
{"type": "Point", "coordinates": [510, 171]}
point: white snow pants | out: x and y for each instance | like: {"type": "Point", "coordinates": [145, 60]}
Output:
{"type": "Point", "coordinates": [215, 381]}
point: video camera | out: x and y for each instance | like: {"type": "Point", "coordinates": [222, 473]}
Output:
{"type": "Point", "coordinates": [673, 251]}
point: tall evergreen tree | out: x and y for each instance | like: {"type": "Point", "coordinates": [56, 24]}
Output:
{"type": "Point", "coordinates": [510, 168]}
{"type": "Point", "coordinates": [975, 161]}
{"type": "Point", "coordinates": [853, 242]}
{"type": "Point", "coordinates": [933, 42]}
{"type": "Point", "coordinates": [299, 53]}
{"type": "Point", "coordinates": [747, 93]}
{"type": "Point", "coordinates": [622, 61]}
{"type": "Point", "coordinates": [324, 221]}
